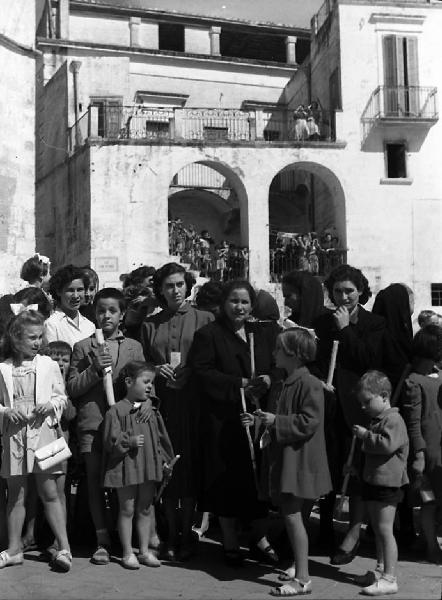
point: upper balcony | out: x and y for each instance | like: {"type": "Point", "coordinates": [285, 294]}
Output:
{"type": "Point", "coordinates": [146, 124]}
{"type": "Point", "coordinates": [415, 106]}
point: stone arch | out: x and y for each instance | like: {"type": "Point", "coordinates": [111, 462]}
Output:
{"type": "Point", "coordinates": [226, 207]}
{"type": "Point", "coordinates": [305, 197]}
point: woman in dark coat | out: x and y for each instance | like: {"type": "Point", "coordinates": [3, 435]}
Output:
{"type": "Point", "coordinates": [396, 304]}
{"type": "Point", "coordinates": [221, 359]}
{"type": "Point", "coordinates": [166, 338]}
{"type": "Point", "coordinates": [361, 336]}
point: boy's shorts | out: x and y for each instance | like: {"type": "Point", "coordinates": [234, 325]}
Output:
{"type": "Point", "coordinates": [381, 493]}
{"type": "Point", "coordinates": [90, 441]}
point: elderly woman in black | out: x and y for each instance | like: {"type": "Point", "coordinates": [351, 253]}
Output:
{"type": "Point", "coordinates": [360, 335]}
{"type": "Point", "coordinates": [166, 338]}
{"type": "Point", "coordinates": [221, 358]}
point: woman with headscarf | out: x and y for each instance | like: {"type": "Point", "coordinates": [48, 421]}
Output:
{"type": "Point", "coordinates": [396, 304]}
{"type": "Point", "coordinates": [304, 296]}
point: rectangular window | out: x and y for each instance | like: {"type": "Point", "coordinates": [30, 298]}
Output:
{"type": "Point", "coordinates": [271, 135]}
{"type": "Point", "coordinates": [401, 76]}
{"type": "Point", "coordinates": [109, 116]}
{"type": "Point", "coordinates": [396, 163]}
{"type": "Point", "coordinates": [171, 37]}
{"type": "Point", "coordinates": [436, 294]}
{"type": "Point", "coordinates": [157, 130]}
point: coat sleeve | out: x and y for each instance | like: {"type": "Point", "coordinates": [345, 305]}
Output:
{"type": "Point", "coordinates": [138, 353]}
{"type": "Point", "coordinates": [204, 360]}
{"type": "Point", "coordinates": [116, 441]}
{"type": "Point", "coordinates": [411, 401]}
{"type": "Point", "coordinates": [82, 374]}
{"type": "Point", "coordinates": [386, 441]}
{"type": "Point", "coordinates": [301, 425]}
{"type": "Point", "coordinates": [362, 352]}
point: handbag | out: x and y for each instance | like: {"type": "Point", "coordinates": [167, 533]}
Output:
{"type": "Point", "coordinates": [54, 453]}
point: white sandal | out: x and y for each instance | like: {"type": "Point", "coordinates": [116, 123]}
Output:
{"type": "Point", "coordinates": [63, 560]}
{"type": "Point", "coordinates": [6, 560]}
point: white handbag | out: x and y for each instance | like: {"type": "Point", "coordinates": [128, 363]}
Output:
{"type": "Point", "coordinates": [53, 453]}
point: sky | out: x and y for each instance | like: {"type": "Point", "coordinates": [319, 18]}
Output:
{"type": "Point", "coordinates": [288, 12]}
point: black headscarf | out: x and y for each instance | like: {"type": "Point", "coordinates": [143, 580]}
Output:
{"type": "Point", "coordinates": [393, 303]}
{"type": "Point", "coordinates": [311, 296]}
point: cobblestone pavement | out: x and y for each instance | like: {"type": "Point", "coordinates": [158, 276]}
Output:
{"type": "Point", "coordinates": [205, 576]}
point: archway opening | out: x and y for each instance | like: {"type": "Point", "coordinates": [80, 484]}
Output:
{"type": "Point", "coordinates": [307, 221]}
{"type": "Point", "coordinates": [208, 230]}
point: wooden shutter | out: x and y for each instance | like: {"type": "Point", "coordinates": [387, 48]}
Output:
{"type": "Point", "coordinates": [390, 74]}
{"type": "Point", "coordinates": [113, 118]}
{"type": "Point", "coordinates": [412, 74]}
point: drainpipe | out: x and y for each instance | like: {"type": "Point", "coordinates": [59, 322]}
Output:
{"type": "Point", "coordinates": [75, 67]}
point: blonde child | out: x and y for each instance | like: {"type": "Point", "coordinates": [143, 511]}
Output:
{"type": "Point", "coordinates": [385, 446]}
{"type": "Point", "coordinates": [32, 399]}
{"type": "Point", "coordinates": [299, 471]}
{"type": "Point", "coordinates": [135, 461]}
{"type": "Point", "coordinates": [60, 352]}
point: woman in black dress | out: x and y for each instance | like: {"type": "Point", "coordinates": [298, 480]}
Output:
{"type": "Point", "coordinates": [221, 359]}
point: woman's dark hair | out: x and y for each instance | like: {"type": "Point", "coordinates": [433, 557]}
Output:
{"type": "Point", "coordinates": [137, 276]}
{"type": "Point", "coordinates": [113, 293]}
{"type": "Point", "coordinates": [34, 295]}
{"type": "Point", "coordinates": [34, 269]}
{"type": "Point", "coordinates": [166, 271]}
{"type": "Point", "coordinates": [64, 276]}
{"type": "Point", "coordinates": [348, 273]}
{"type": "Point", "coordinates": [237, 284]}
{"type": "Point", "coordinates": [14, 333]}
{"type": "Point", "coordinates": [90, 276]}
{"type": "Point", "coordinates": [427, 343]}
{"type": "Point", "coordinates": [209, 295]}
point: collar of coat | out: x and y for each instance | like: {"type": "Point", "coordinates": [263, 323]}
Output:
{"type": "Point", "coordinates": [295, 375]}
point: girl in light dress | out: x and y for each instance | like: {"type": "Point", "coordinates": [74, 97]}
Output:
{"type": "Point", "coordinates": [32, 399]}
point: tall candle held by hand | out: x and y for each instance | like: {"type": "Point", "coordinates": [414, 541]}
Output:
{"type": "Point", "coordinates": [107, 378]}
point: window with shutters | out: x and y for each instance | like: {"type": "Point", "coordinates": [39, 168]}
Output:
{"type": "Point", "coordinates": [395, 160]}
{"type": "Point", "coordinates": [109, 116]}
{"type": "Point", "coordinates": [401, 76]}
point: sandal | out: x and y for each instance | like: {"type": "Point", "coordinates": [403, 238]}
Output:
{"type": "Point", "coordinates": [8, 560]}
{"type": "Point", "coordinates": [63, 560]}
{"type": "Point", "coordinates": [149, 560]}
{"type": "Point", "coordinates": [288, 575]}
{"type": "Point", "coordinates": [130, 562]}
{"type": "Point", "coordinates": [29, 545]}
{"type": "Point", "coordinates": [267, 554]}
{"type": "Point", "coordinates": [286, 590]}
{"type": "Point", "coordinates": [101, 556]}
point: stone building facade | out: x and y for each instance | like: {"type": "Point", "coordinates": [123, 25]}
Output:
{"type": "Point", "coordinates": [147, 114]}
{"type": "Point", "coordinates": [17, 148]}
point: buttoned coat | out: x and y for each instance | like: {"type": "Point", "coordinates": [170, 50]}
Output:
{"type": "Point", "coordinates": [298, 458]}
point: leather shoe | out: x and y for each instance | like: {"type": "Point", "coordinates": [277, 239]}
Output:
{"type": "Point", "coordinates": [233, 558]}
{"type": "Point", "coordinates": [341, 557]}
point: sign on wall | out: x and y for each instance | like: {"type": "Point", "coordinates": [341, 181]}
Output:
{"type": "Point", "coordinates": [106, 264]}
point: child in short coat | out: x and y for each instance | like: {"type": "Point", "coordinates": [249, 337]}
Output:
{"type": "Point", "coordinates": [135, 460]}
{"type": "Point", "coordinates": [299, 471]}
{"type": "Point", "coordinates": [385, 448]}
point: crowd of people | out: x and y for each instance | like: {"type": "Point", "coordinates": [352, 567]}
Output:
{"type": "Point", "coordinates": [305, 252]}
{"type": "Point", "coordinates": [220, 262]}
{"type": "Point", "coordinates": [164, 407]}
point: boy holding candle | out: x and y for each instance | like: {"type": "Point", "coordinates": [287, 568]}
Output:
{"type": "Point", "coordinates": [85, 388]}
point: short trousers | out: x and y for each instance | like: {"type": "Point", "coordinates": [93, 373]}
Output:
{"type": "Point", "coordinates": [90, 441]}
{"type": "Point", "coordinates": [381, 493]}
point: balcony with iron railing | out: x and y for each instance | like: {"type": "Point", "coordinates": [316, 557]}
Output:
{"type": "Point", "coordinates": [209, 125]}
{"type": "Point", "coordinates": [400, 105]}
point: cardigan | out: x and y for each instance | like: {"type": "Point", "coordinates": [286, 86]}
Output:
{"type": "Point", "coordinates": [49, 387]}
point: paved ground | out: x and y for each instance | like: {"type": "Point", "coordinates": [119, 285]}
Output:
{"type": "Point", "coordinates": [203, 577]}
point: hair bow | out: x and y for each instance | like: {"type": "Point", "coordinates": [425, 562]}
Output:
{"type": "Point", "coordinates": [19, 308]}
{"type": "Point", "coordinates": [42, 258]}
